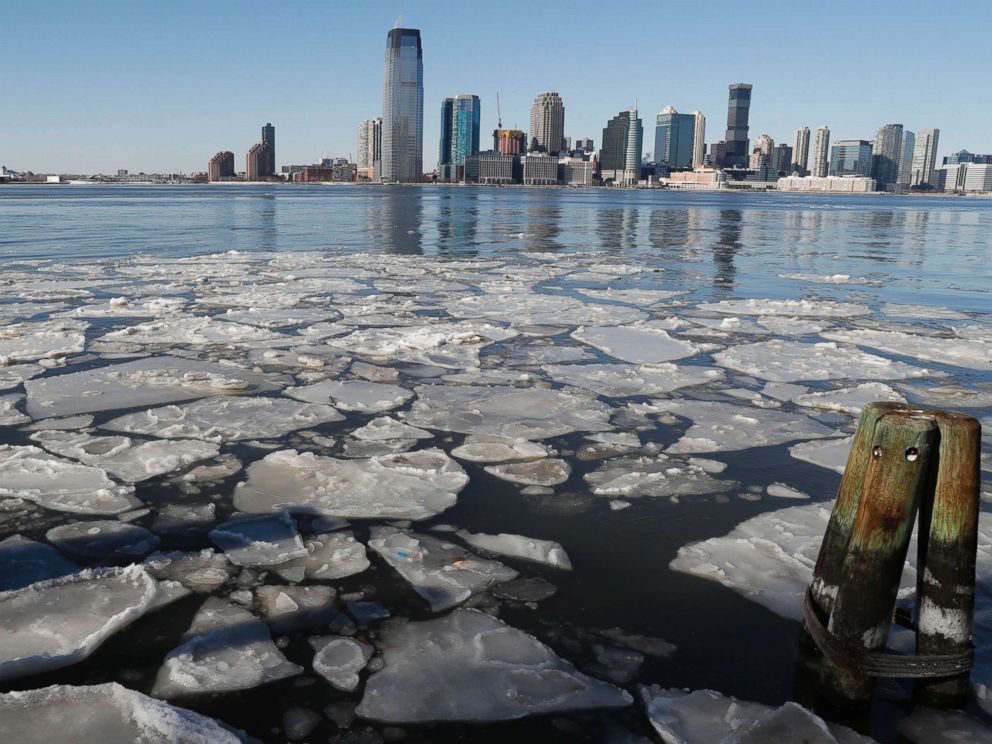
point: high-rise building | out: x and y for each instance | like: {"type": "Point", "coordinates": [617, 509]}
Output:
{"type": "Point", "coordinates": [403, 108]}
{"type": "Point", "coordinates": [886, 151]}
{"type": "Point", "coordinates": [257, 162]}
{"type": "Point", "coordinates": [851, 158]}
{"type": "Point", "coordinates": [269, 140]}
{"type": "Point", "coordinates": [620, 158]}
{"type": "Point", "coordinates": [509, 141]}
{"type": "Point", "coordinates": [369, 151]}
{"type": "Point", "coordinates": [800, 151]}
{"type": "Point", "coordinates": [821, 151]}
{"type": "Point", "coordinates": [924, 157]}
{"type": "Point", "coordinates": [674, 135]}
{"type": "Point", "coordinates": [221, 166]}
{"type": "Point", "coordinates": [698, 139]}
{"type": "Point", "coordinates": [761, 155]}
{"type": "Point", "coordinates": [461, 119]}
{"type": "Point", "coordinates": [585, 144]}
{"type": "Point", "coordinates": [547, 123]}
{"type": "Point", "coordinates": [906, 159]}
{"type": "Point", "coordinates": [782, 161]}
{"type": "Point", "coordinates": [734, 153]}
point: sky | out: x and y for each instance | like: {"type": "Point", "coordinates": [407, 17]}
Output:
{"type": "Point", "coordinates": [90, 86]}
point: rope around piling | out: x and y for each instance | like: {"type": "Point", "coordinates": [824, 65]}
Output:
{"type": "Point", "coordinates": [873, 664]}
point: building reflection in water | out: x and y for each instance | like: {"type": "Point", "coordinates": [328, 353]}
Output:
{"type": "Point", "coordinates": [397, 219]}
{"type": "Point", "coordinates": [617, 228]}
{"type": "Point", "coordinates": [543, 227]}
{"type": "Point", "coordinates": [264, 235]}
{"type": "Point", "coordinates": [728, 244]}
{"type": "Point", "coordinates": [457, 222]}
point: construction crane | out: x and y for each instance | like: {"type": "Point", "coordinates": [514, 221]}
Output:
{"type": "Point", "coordinates": [499, 116]}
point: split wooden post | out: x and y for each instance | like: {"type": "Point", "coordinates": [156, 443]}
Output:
{"type": "Point", "coordinates": [894, 480]}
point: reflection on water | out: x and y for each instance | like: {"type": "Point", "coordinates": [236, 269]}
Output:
{"type": "Point", "coordinates": [728, 244]}
{"type": "Point", "coordinates": [617, 228]}
{"type": "Point", "coordinates": [544, 223]}
{"type": "Point", "coordinates": [397, 220]}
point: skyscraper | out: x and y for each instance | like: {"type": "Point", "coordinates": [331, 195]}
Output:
{"type": "Point", "coordinates": [620, 158]}
{"type": "Point", "coordinates": [782, 159]}
{"type": "Point", "coordinates": [886, 151]}
{"type": "Point", "coordinates": [674, 135]}
{"type": "Point", "coordinates": [800, 151]}
{"type": "Point", "coordinates": [735, 151]}
{"type": "Point", "coordinates": [821, 149]}
{"type": "Point", "coordinates": [403, 108]}
{"type": "Point", "coordinates": [460, 125]}
{"type": "Point", "coordinates": [924, 156]}
{"type": "Point", "coordinates": [221, 166]}
{"type": "Point", "coordinates": [369, 153]}
{"type": "Point", "coordinates": [906, 158]}
{"type": "Point", "coordinates": [257, 162]}
{"type": "Point", "coordinates": [547, 122]}
{"type": "Point", "coordinates": [269, 140]}
{"type": "Point", "coordinates": [761, 156]}
{"type": "Point", "coordinates": [698, 139]}
{"type": "Point", "coordinates": [851, 158]}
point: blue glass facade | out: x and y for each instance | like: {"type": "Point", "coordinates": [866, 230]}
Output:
{"type": "Point", "coordinates": [461, 122]}
{"type": "Point", "coordinates": [673, 139]}
{"type": "Point", "coordinates": [403, 107]}
{"type": "Point", "coordinates": [850, 158]}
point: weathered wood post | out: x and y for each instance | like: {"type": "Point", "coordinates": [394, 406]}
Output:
{"type": "Point", "coordinates": [894, 480]}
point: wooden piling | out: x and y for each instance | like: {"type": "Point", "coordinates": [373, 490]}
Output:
{"type": "Point", "coordinates": [899, 453]}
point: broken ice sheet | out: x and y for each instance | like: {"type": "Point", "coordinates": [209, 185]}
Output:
{"type": "Point", "coordinates": [55, 623]}
{"type": "Point", "coordinates": [353, 395]}
{"type": "Point", "coordinates": [644, 297]}
{"type": "Point", "coordinates": [545, 472]}
{"type": "Point", "coordinates": [623, 380]}
{"type": "Point", "coordinates": [287, 609]}
{"type": "Point", "coordinates": [511, 413]}
{"type": "Point", "coordinates": [830, 453]}
{"type": "Point", "coordinates": [227, 418]}
{"type": "Point", "coordinates": [468, 666]}
{"type": "Point", "coordinates": [225, 649]}
{"type": "Point", "coordinates": [259, 540]}
{"type": "Point", "coordinates": [203, 571]}
{"type": "Point", "coordinates": [443, 573]}
{"type": "Point", "coordinates": [386, 428]}
{"type": "Point", "coordinates": [49, 481]}
{"type": "Point", "coordinates": [849, 400]}
{"type": "Point", "coordinates": [974, 352]}
{"type": "Point", "coordinates": [145, 382]}
{"type": "Point", "coordinates": [338, 660]}
{"type": "Point", "coordinates": [9, 415]}
{"type": "Point", "coordinates": [25, 561]}
{"type": "Point", "coordinates": [108, 713]}
{"type": "Point", "coordinates": [931, 726]}
{"type": "Point", "coordinates": [413, 485]}
{"type": "Point", "coordinates": [450, 345]}
{"type": "Point", "coordinates": [947, 396]}
{"type": "Point", "coordinates": [13, 375]}
{"type": "Point", "coordinates": [496, 449]}
{"type": "Point", "coordinates": [722, 427]}
{"type": "Point", "coordinates": [653, 476]}
{"type": "Point", "coordinates": [635, 344]}
{"type": "Point", "coordinates": [801, 308]}
{"type": "Point", "coordinates": [329, 556]}
{"type": "Point", "coordinates": [28, 342]}
{"type": "Point", "coordinates": [546, 552]}
{"type": "Point", "coordinates": [198, 330]}
{"type": "Point", "coordinates": [541, 309]}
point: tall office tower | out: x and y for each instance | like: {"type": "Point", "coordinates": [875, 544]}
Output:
{"type": "Point", "coordinates": [924, 156]}
{"type": "Point", "coordinates": [782, 159]}
{"type": "Point", "coordinates": [585, 144]}
{"type": "Point", "coordinates": [906, 158]}
{"type": "Point", "coordinates": [403, 108]}
{"type": "Point", "coordinates": [886, 151]}
{"type": "Point", "coordinates": [509, 141]}
{"type": "Point", "coordinates": [800, 151]}
{"type": "Point", "coordinates": [698, 139]}
{"type": "Point", "coordinates": [738, 109]}
{"type": "Point", "coordinates": [821, 149]}
{"type": "Point", "coordinates": [547, 122]}
{"type": "Point", "coordinates": [369, 151]}
{"type": "Point", "coordinates": [221, 166]}
{"type": "Point", "coordinates": [269, 140]}
{"type": "Point", "coordinates": [674, 135]}
{"type": "Point", "coordinates": [460, 124]}
{"type": "Point", "coordinates": [620, 158]}
{"type": "Point", "coordinates": [257, 162]}
{"type": "Point", "coordinates": [852, 158]}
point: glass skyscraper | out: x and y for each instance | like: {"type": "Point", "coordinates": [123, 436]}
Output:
{"type": "Point", "coordinates": [403, 108]}
{"type": "Point", "coordinates": [738, 110]}
{"type": "Point", "coordinates": [850, 158]}
{"type": "Point", "coordinates": [673, 138]}
{"type": "Point", "coordinates": [461, 121]}
{"type": "Point", "coordinates": [269, 140]}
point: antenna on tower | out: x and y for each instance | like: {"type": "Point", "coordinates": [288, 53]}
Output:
{"type": "Point", "coordinates": [398, 22]}
{"type": "Point", "coordinates": [499, 116]}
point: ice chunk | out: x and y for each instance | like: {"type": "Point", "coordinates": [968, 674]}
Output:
{"type": "Point", "coordinates": [921, 312]}
{"type": "Point", "coordinates": [184, 518]}
{"type": "Point", "coordinates": [450, 345]}
{"type": "Point", "coordinates": [783, 390]}
{"type": "Point", "coordinates": [529, 413]}
{"type": "Point", "coordinates": [259, 540]}
{"type": "Point", "coordinates": [225, 419]}
{"type": "Point", "coordinates": [653, 476]}
{"type": "Point", "coordinates": [441, 572]}
{"type": "Point", "coordinates": [25, 561]}
{"type": "Point", "coordinates": [623, 380]}
{"type": "Point", "coordinates": [130, 461]}
{"type": "Point", "coordinates": [831, 453]}
{"type": "Point", "coordinates": [850, 400]}
{"type": "Point", "coordinates": [12, 375]}
{"type": "Point", "coordinates": [225, 649]}
{"type": "Point", "coordinates": [204, 571]}
{"type": "Point", "coordinates": [145, 382]}
{"type": "Point", "coordinates": [33, 474]}
{"type": "Point", "coordinates": [64, 714]}
{"type": "Point", "coordinates": [973, 352]}
{"type": "Point", "coordinates": [339, 660]}
{"type": "Point", "coordinates": [930, 726]}
{"type": "Point", "coordinates": [722, 427]}
{"type": "Point", "coordinates": [636, 344]}
{"type": "Point", "coordinates": [494, 449]}
{"type": "Point", "coordinates": [198, 330]}
{"type": "Point", "coordinates": [69, 423]}
{"type": "Point", "coordinates": [647, 645]}
{"type": "Point", "coordinates": [541, 309]}
{"type": "Point", "coordinates": [299, 723]}
{"type": "Point", "coordinates": [103, 539]}
{"type": "Point", "coordinates": [27, 342]}
{"type": "Point", "coordinates": [353, 395]}
{"type": "Point", "coordinates": [55, 623]}
{"type": "Point", "coordinates": [547, 472]}
{"type": "Point", "coordinates": [802, 308]}
{"type": "Point", "coordinates": [643, 297]}
{"type": "Point", "coordinates": [530, 589]}
{"type": "Point", "coordinates": [948, 396]}
{"type": "Point", "coordinates": [789, 361]}
{"type": "Point", "coordinates": [783, 491]}
{"type": "Point", "coordinates": [287, 609]}
{"type": "Point", "coordinates": [547, 552]}
{"type": "Point", "coordinates": [386, 428]}
{"type": "Point", "coordinates": [9, 415]}
{"type": "Point", "coordinates": [825, 278]}
{"type": "Point", "coordinates": [331, 556]}
{"type": "Point", "coordinates": [512, 674]}
{"type": "Point", "coordinates": [413, 485]}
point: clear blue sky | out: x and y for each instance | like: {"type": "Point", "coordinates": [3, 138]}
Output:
{"type": "Point", "coordinates": [160, 86]}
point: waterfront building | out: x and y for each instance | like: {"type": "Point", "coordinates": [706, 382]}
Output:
{"type": "Point", "coordinates": [761, 155]}
{"type": "Point", "coordinates": [491, 167]}
{"type": "Point", "coordinates": [576, 171]}
{"type": "Point", "coordinates": [674, 135]}
{"type": "Point", "coordinates": [906, 159]}
{"type": "Point", "coordinates": [547, 123]}
{"type": "Point", "coordinates": [257, 162]}
{"type": "Point", "coordinates": [782, 160]}
{"type": "Point", "coordinates": [977, 178]}
{"type": "Point", "coordinates": [734, 150]}
{"type": "Point", "coordinates": [620, 157]}
{"type": "Point", "coordinates": [886, 151]}
{"type": "Point", "coordinates": [924, 157]}
{"type": "Point", "coordinates": [698, 139]}
{"type": "Point", "coordinates": [539, 169]}
{"type": "Point", "coordinates": [828, 184]}
{"type": "Point", "coordinates": [703, 178]}
{"type": "Point", "coordinates": [368, 159]}
{"type": "Point", "coordinates": [584, 143]}
{"type": "Point", "coordinates": [221, 166]}
{"type": "Point", "coordinates": [461, 119]}
{"type": "Point", "coordinates": [510, 141]}
{"type": "Point", "coordinates": [851, 158]}
{"type": "Point", "coordinates": [403, 108]}
{"type": "Point", "coordinates": [337, 172]}
{"type": "Point", "coordinates": [269, 140]}
{"type": "Point", "coordinates": [821, 150]}
{"type": "Point", "coordinates": [800, 151]}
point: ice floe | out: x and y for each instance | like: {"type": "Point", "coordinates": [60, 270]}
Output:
{"type": "Point", "coordinates": [494, 449]}
{"type": "Point", "coordinates": [800, 308]}
{"type": "Point", "coordinates": [287, 609]}
{"type": "Point", "coordinates": [259, 540]}
{"type": "Point", "coordinates": [930, 726]}
{"type": "Point", "coordinates": [547, 552]}
{"type": "Point", "coordinates": [9, 414]}
{"type": "Point", "coordinates": [624, 380]}
{"type": "Point", "coordinates": [972, 353]}
{"type": "Point", "coordinates": [386, 428]}
{"type": "Point", "coordinates": [339, 660]}
{"type": "Point", "coordinates": [25, 561]}
{"type": "Point", "coordinates": [850, 400]}
{"type": "Point", "coordinates": [635, 344]}
{"type": "Point", "coordinates": [353, 395]}
{"type": "Point", "coordinates": [197, 330]}
{"type": "Point", "coordinates": [653, 476]}
{"type": "Point", "coordinates": [329, 556]}
{"type": "Point", "coordinates": [103, 540]}
{"type": "Point", "coordinates": [28, 342]}
{"type": "Point", "coordinates": [449, 345]}
{"type": "Point", "coordinates": [538, 309]}
{"type": "Point", "coordinates": [546, 472]}
{"type": "Point", "coordinates": [829, 453]}
{"type": "Point", "coordinates": [203, 571]}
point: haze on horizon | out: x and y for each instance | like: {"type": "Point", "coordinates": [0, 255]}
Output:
{"type": "Point", "coordinates": [93, 87]}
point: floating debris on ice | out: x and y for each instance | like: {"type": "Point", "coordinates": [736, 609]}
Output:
{"type": "Point", "coordinates": [55, 623]}
{"type": "Point", "coordinates": [512, 674]}
{"type": "Point", "coordinates": [412, 485]}
{"type": "Point", "coordinates": [331, 556]}
{"type": "Point", "coordinates": [850, 400]}
{"type": "Point", "coordinates": [831, 453]}
{"type": "Point", "coordinates": [495, 449]}
{"type": "Point", "coordinates": [103, 540]}
{"type": "Point", "coordinates": [546, 552]}
{"type": "Point", "coordinates": [653, 476]}
{"type": "Point", "coordinates": [546, 472]}
{"type": "Point", "coordinates": [353, 395]}
{"type": "Point", "coordinates": [624, 380]}
{"type": "Point", "coordinates": [971, 353]}
{"type": "Point", "coordinates": [62, 714]}
{"type": "Point", "coordinates": [443, 573]}
{"type": "Point", "coordinates": [783, 491]}
{"type": "Point", "coordinates": [339, 660]}
{"type": "Point", "coordinates": [49, 481]}
{"type": "Point", "coordinates": [635, 344]}
{"type": "Point", "coordinates": [259, 540]}
{"type": "Point", "coordinates": [225, 649]}
{"type": "Point", "coordinates": [25, 561]}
